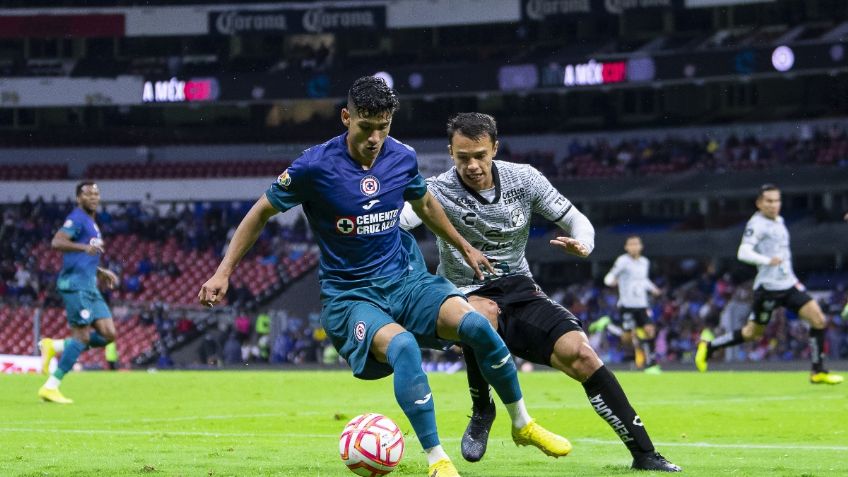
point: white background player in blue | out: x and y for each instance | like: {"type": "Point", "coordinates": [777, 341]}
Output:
{"type": "Point", "coordinates": [377, 305]}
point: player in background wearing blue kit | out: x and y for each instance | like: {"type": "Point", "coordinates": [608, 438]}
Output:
{"type": "Point", "coordinates": [91, 323]}
{"type": "Point", "coordinates": [378, 306]}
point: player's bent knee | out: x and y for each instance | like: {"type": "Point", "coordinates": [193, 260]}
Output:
{"type": "Point", "coordinates": [475, 330]}
{"type": "Point", "coordinates": [486, 307]}
{"type": "Point", "coordinates": [403, 343]}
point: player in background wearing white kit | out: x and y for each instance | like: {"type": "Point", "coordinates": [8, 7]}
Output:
{"type": "Point", "coordinates": [766, 245]}
{"type": "Point", "coordinates": [630, 275]}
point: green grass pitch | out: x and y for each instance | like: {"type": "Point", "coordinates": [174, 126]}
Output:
{"type": "Point", "coordinates": [274, 423]}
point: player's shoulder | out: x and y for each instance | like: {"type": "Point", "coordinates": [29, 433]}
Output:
{"type": "Point", "coordinates": [756, 220]}
{"type": "Point", "coordinates": [507, 167]}
{"type": "Point", "coordinates": [393, 145]}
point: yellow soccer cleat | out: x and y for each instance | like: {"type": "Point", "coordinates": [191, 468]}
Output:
{"type": "Point", "coordinates": [53, 395]}
{"type": "Point", "coordinates": [701, 356]}
{"type": "Point", "coordinates": [443, 468]}
{"type": "Point", "coordinates": [48, 351]}
{"type": "Point", "coordinates": [655, 370]}
{"type": "Point", "coordinates": [535, 435]}
{"type": "Point", "coordinates": [826, 377]}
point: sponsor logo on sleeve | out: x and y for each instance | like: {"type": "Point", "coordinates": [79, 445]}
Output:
{"type": "Point", "coordinates": [284, 179]}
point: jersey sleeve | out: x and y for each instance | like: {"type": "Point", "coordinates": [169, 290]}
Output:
{"type": "Point", "coordinates": [71, 227]}
{"type": "Point", "coordinates": [752, 234]}
{"type": "Point", "coordinates": [612, 276]}
{"type": "Point", "coordinates": [416, 188]}
{"type": "Point", "coordinates": [547, 201]}
{"type": "Point", "coordinates": [291, 187]}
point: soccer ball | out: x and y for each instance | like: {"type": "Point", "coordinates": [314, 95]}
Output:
{"type": "Point", "coordinates": [371, 445]}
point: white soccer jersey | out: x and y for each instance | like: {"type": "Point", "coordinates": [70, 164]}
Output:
{"type": "Point", "coordinates": [770, 238]}
{"type": "Point", "coordinates": [633, 282]}
{"type": "Point", "coordinates": [499, 228]}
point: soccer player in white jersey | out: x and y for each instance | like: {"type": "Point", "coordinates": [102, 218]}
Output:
{"type": "Point", "coordinates": [630, 275]}
{"type": "Point", "coordinates": [766, 245]}
{"type": "Point", "coordinates": [490, 203]}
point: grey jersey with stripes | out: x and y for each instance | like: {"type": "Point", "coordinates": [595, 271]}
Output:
{"type": "Point", "coordinates": [500, 228]}
{"type": "Point", "coordinates": [771, 239]}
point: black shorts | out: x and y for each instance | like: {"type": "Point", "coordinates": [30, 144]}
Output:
{"type": "Point", "coordinates": [766, 301]}
{"type": "Point", "coordinates": [632, 318]}
{"type": "Point", "coordinates": [530, 323]}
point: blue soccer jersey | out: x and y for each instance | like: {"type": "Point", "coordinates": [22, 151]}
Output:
{"type": "Point", "coordinates": [354, 213]}
{"type": "Point", "coordinates": [79, 269]}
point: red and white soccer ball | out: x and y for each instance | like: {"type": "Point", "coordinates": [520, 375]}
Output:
{"type": "Point", "coordinates": [371, 445]}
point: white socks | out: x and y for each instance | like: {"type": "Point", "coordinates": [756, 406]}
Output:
{"type": "Point", "coordinates": [518, 413]}
{"type": "Point", "coordinates": [52, 382]}
{"type": "Point", "coordinates": [435, 454]}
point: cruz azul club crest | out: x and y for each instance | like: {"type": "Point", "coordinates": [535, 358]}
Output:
{"type": "Point", "coordinates": [369, 185]}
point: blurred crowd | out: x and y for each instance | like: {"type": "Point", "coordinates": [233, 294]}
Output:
{"type": "Point", "coordinates": [635, 157]}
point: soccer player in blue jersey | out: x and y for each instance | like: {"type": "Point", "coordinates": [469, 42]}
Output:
{"type": "Point", "coordinates": [378, 306]}
{"type": "Point", "coordinates": [91, 322]}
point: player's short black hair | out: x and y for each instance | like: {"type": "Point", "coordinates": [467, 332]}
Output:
{"type": "Point", "coordinates": [83, 184]}
{"type": "Point", "coordinates": [371, 96]}
{"type": "Point", "coordinates": [766, 188]}
{"type": "Point", "coordinates": [473, 125]}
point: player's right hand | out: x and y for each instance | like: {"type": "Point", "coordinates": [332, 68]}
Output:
{"type": "Point", "coordinates": [213, 291]}
{"type": "Point", "coordinates": [775, 261]}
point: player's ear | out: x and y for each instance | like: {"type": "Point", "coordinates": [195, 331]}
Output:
{"type": "Point", "coordinates": [495, 148]}
{"type": "Point", "coordinates": [346, 117]}
{"type": "Point", "coordinates": [450, 150]}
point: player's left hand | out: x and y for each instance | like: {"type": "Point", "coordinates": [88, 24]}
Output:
{"type": "Point", "coordinates": [571, 246]}
{"type": "Point", "coordinates": [475, 259]}
{"type": "Point", "coordinates": [110, 278]}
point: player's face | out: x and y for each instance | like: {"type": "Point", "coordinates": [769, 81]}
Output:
{"type": "Point", "coordinates": [89, 198]}
{"type": "Point", "coordinates": [633, 247]}
{"type": "Point", "coordinates": [769, 204]}
{"type": "Point", "coordinates": [473, 159]}
{"type": "Point", "coordinates": [366, 135]}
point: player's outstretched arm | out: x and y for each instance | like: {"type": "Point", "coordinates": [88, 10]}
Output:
{"type": "Point", "coordinates": [213, 291]}
{"type": "Point", "coordinates": [580, 240]}
{"type": "Point", "coordinates": [433, 215]}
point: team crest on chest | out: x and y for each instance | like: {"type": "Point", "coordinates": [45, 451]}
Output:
{"type": "Point", "coordinates": [369, 185]}
{"type": "Point", "coordinates": [517, 217]}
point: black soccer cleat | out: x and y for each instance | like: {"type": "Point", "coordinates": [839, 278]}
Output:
{"type": "Point", "coordinates": [476, 435]}
{"type": "Point", "coordinates": [653, 461]}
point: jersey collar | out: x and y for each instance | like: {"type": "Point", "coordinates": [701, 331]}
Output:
{"type": "Point", "coordinates": [496, 179]}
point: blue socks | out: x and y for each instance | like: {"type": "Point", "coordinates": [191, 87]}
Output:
{"type": "Point", "coordinates": [73, 348]}
{"type": "Point", "coordinates": [412, 390]}
{"type": "Point", "coordinates": [96, 340]}
{"type": "Point", "coordinates": [493, 357]}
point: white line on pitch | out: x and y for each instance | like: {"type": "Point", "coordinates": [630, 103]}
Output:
{"type": "Point", "coordinates": [333, 436]}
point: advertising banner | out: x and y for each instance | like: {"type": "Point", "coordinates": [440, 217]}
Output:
{"type": "Point", "coordinates": [541, 10]}
{"type": "Point", "coordinates": [313, 20]}
{"type": "Point", "coordinates": [53, 91]}
{"type": "Point", "coordinates": [14, 364]}
{"type": "Point", "coordinates": [62, 26]}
